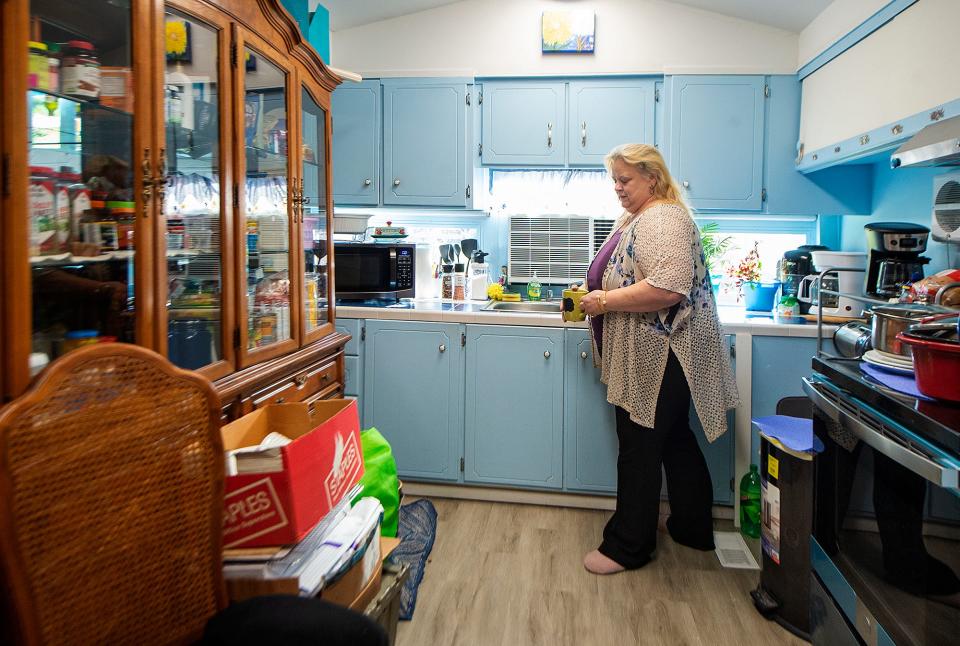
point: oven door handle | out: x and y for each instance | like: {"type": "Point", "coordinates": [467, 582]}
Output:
{"type": "Point", "coordinates": [938, 474]}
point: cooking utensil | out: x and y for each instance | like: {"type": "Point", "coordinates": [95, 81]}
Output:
{"type": "Point", "coordinates": [935, 361]}
{"type": "Point", "coordinates": [469, 246]}
{"type": "Point", "coordinates": [890, 320]}
{"type": "Point", "coordinates": [446, 253]}
{"type": "Point", "coordinates": [852, 340]}
{"type": "Point", "coordinates": [456, 253]}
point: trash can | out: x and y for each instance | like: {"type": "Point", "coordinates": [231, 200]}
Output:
{"type": "Point", "coordinates": [786, 517]}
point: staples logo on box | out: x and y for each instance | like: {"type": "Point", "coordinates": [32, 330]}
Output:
{"type": "Point", "coordinates": [251, 511]}
{"type": "Point", "coordinates": [347, 464]}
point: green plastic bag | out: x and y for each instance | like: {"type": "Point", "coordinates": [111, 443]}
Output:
{"type": "Point", "coordinates": [380, 478]}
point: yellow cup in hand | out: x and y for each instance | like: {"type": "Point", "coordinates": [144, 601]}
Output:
{"type": "Point", "coordinates": [570, 306]}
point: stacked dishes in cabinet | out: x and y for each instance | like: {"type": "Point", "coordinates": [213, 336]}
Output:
{"type": "Point", "coordinates": [268, 280]}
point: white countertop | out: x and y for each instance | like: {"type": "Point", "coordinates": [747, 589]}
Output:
{"type": "Point", "coordinates": [733, 319]}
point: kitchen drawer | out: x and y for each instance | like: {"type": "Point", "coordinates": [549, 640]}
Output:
{"type": "Point", "coordinates": [351, 376]}
{"type": "Point", "coordinates": [300, 387]}
{"type": "Point", "coordinates": [351, 327]}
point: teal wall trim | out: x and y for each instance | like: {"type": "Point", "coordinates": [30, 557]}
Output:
{"type": "Point", "coordinates": [300, 11]}
{"type": "Point", "coordinates": [864, 29]}
{"type": "Point", "coordinates": [319, 32]}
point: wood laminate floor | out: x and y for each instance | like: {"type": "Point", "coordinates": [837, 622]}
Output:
{"type": "Point", "coordinates": [512, 574]}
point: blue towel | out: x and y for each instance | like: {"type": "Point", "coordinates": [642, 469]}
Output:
{"type": "Point", "coordinates": [906, 384]}
{"type": "Point", "coordinates": [795, 433]}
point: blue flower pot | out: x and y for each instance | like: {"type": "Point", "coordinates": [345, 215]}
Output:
{"type": "Point", "coordinates": [760, 297]}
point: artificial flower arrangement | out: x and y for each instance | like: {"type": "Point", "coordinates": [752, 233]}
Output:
{"type": "Point", "coordinates": [745, 271]}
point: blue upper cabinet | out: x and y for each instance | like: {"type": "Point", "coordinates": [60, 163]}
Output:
{"type": "Point", "coordinates": [605, 113]}
{"type": "Point", "coordinates": [716, 140]}
{"type": "Point", "coordinates": [413, 394]}
{"type": "Point", "coordinates": [843, 190]}
{"type": "Point", "coordinates": [356, 143]}
{"type": "Point", "coordinates": [425, 142]}
{"type": "Point", "coordinates": [514, 406]}
{"type": "Point", "coordinates": [524, 123]}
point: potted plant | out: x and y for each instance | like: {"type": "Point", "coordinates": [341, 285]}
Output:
{"type": "Point", "coordinates": [714, 246]}
{"type": "Point", "coordinates": [757, 296]}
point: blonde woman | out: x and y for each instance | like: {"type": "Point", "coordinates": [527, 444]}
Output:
{"type": "Point", "coordinates": [658, 343]}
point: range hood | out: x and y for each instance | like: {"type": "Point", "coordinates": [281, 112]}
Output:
{"type": "Point", "coordinates": [936, 145]}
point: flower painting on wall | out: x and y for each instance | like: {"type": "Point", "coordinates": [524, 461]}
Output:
{"type": "Point", "coordinates": [177, 41]}
{"type": "Point", "coordinates": [568, 32]}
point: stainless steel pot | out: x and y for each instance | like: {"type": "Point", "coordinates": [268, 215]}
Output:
{"type": "Point", "coordinates": [852, 340]}
{"type": "Point", "coordinates": [888, 321]}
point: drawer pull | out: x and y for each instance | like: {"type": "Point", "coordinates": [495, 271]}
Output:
{"type": "Point", "coordinates": [280, 400]}
{"type": "Point", "coordinates": [583, 355]}
{"type": "Point", "coordinates": [442, 348]}
{"type": "Point", "coordinates": [300, 379]}
{"type": "Point", "coordinates": [546, 354]}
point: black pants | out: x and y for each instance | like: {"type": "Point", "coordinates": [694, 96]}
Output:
{"type": "Point", "coordinates": [630, 536]}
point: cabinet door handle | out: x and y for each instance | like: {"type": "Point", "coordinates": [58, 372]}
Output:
{"type": "Point", "coordinates": [686, 184]}
{"type": "Point", "coordinates": [443, 348]}
{"type": "Point", "coordinates": [549, 135]}
{"type": "Point", "coordinates": [300, 379]}
{"type": "Point", "coordinates": [583, 134]}
{"type": "Point", "coordinates": [160, 182]}
{"type": "Point", "coordinates": [583, 355]}
{"type": "Point", "coordinates": [367, 182]}
{"type": "Point", "coordinates": [396, 182]}
{"type": "Point", "coordinates": [546, 354]}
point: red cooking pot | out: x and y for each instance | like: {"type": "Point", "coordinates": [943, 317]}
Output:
{"type": "Point", "coordinates": [936, 364]}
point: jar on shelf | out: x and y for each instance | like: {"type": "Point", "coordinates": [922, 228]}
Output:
{"type": "Point", "coordinates": [79, 200]}
{"type": "Point", "coordinates": [38, 67]}
{"type": "Point", "coordinates": [80, 70]}
{"type": "Point", "coordinates": [42, 209]}
{"type": "Point", "coordinates": [446, 281]}
{"type": "Point", "coordinates": [125, 216]}
{"type": "Point", "coordinates": [53, 67]}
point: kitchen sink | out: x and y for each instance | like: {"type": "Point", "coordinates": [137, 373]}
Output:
{"type": "Point", "coordinates": [550, 307]}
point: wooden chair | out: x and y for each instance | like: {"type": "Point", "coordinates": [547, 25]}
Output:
{"type": "Point", "coordinates": [111, 501]}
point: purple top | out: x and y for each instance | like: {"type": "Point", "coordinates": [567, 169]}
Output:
{"type": "Point", "coordinates": [595, 281]}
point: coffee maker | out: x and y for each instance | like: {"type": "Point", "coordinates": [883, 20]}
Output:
{"type": "Point", "coordinates": [894, 258]}
{"type": "Point", "coordinates": [794, 265]}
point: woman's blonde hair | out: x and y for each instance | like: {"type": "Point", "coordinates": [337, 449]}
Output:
{"type": "Point", "coordinates": [648, 160]}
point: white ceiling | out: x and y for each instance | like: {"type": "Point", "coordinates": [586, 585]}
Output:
{"type": "Point", "coordinates": [792, 15]}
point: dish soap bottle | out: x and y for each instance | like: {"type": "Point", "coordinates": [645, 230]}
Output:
{"type": "Point", "coordinates": [534, 288]}
{"type": "Point", "coordinates": [750, 503]}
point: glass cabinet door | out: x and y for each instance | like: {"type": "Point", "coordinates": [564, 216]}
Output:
{"type": "Point", "coordinates": [192, 220]}
{"type": "Point", "coordinates": [267, 223]}
{"type": "Point", "coordinates": [312, 198]}
{"type": "Point", "coordinates": [82, 207]}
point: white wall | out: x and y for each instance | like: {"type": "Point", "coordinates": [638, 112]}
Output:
{"type": "Point", "coordinates": [906, 67]}
{"type": "Point", "coordinates": [502, 37]}
{"type": "Point", "coordinates": [833, 23]}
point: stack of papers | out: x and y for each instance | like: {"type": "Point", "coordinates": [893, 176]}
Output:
{"type": "Point", "coordinates": [261, 458]}
{"type": "Point", "coordinates": [336, 543]}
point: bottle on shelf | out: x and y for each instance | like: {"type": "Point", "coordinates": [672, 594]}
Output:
{"type": "Point", "coordinates": [750, 503]}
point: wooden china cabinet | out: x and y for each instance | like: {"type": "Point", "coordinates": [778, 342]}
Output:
{"type": "Point", "coordinates": [166, 173]}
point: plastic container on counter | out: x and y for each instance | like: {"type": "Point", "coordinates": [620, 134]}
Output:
{"type": "Point", "coordinates": [38, 67]}
{"type": "Point", "coordinates": [80, 70]}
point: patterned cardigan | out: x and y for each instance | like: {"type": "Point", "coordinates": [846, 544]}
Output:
{"type": "Point", "coordinates": [662, 244]}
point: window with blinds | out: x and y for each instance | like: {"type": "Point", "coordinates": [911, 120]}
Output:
{"type": "Point", "coordinates": [557, 248]}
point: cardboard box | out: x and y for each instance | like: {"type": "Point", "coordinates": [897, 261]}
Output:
{"type": "Point", "coordinates": [353, 589]}
{"type": "Point", "coordinates": [319, 467]}
{"type": "Point", "coordinates": [357, 588]}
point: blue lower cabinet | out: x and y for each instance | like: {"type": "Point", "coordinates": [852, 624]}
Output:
{"type": "Point", "coordinates": [590, 435]}
{"type": "Point", "coordinates": [589, 427]}
{"type": "Point", "coordinates": [513, 406]}
{"type": "Point", "coordinates": [352, 327]}
{"type": "Point", "coordinates": [413, 393]}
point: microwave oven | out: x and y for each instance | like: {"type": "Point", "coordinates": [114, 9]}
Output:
{"type": "Point", "coordinates": [375, 270]}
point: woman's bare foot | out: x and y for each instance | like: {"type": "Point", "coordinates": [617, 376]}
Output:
{"type": "Point", "coordinates": [597, 563]}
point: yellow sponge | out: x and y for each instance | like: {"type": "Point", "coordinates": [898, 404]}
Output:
{"type": "Point", "coordinates": [511, 298]}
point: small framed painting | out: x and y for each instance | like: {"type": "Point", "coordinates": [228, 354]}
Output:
{"type": "Point", "coordinates": [567, 32]}
{"type": "Point", "coordinates": [177, 41]}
